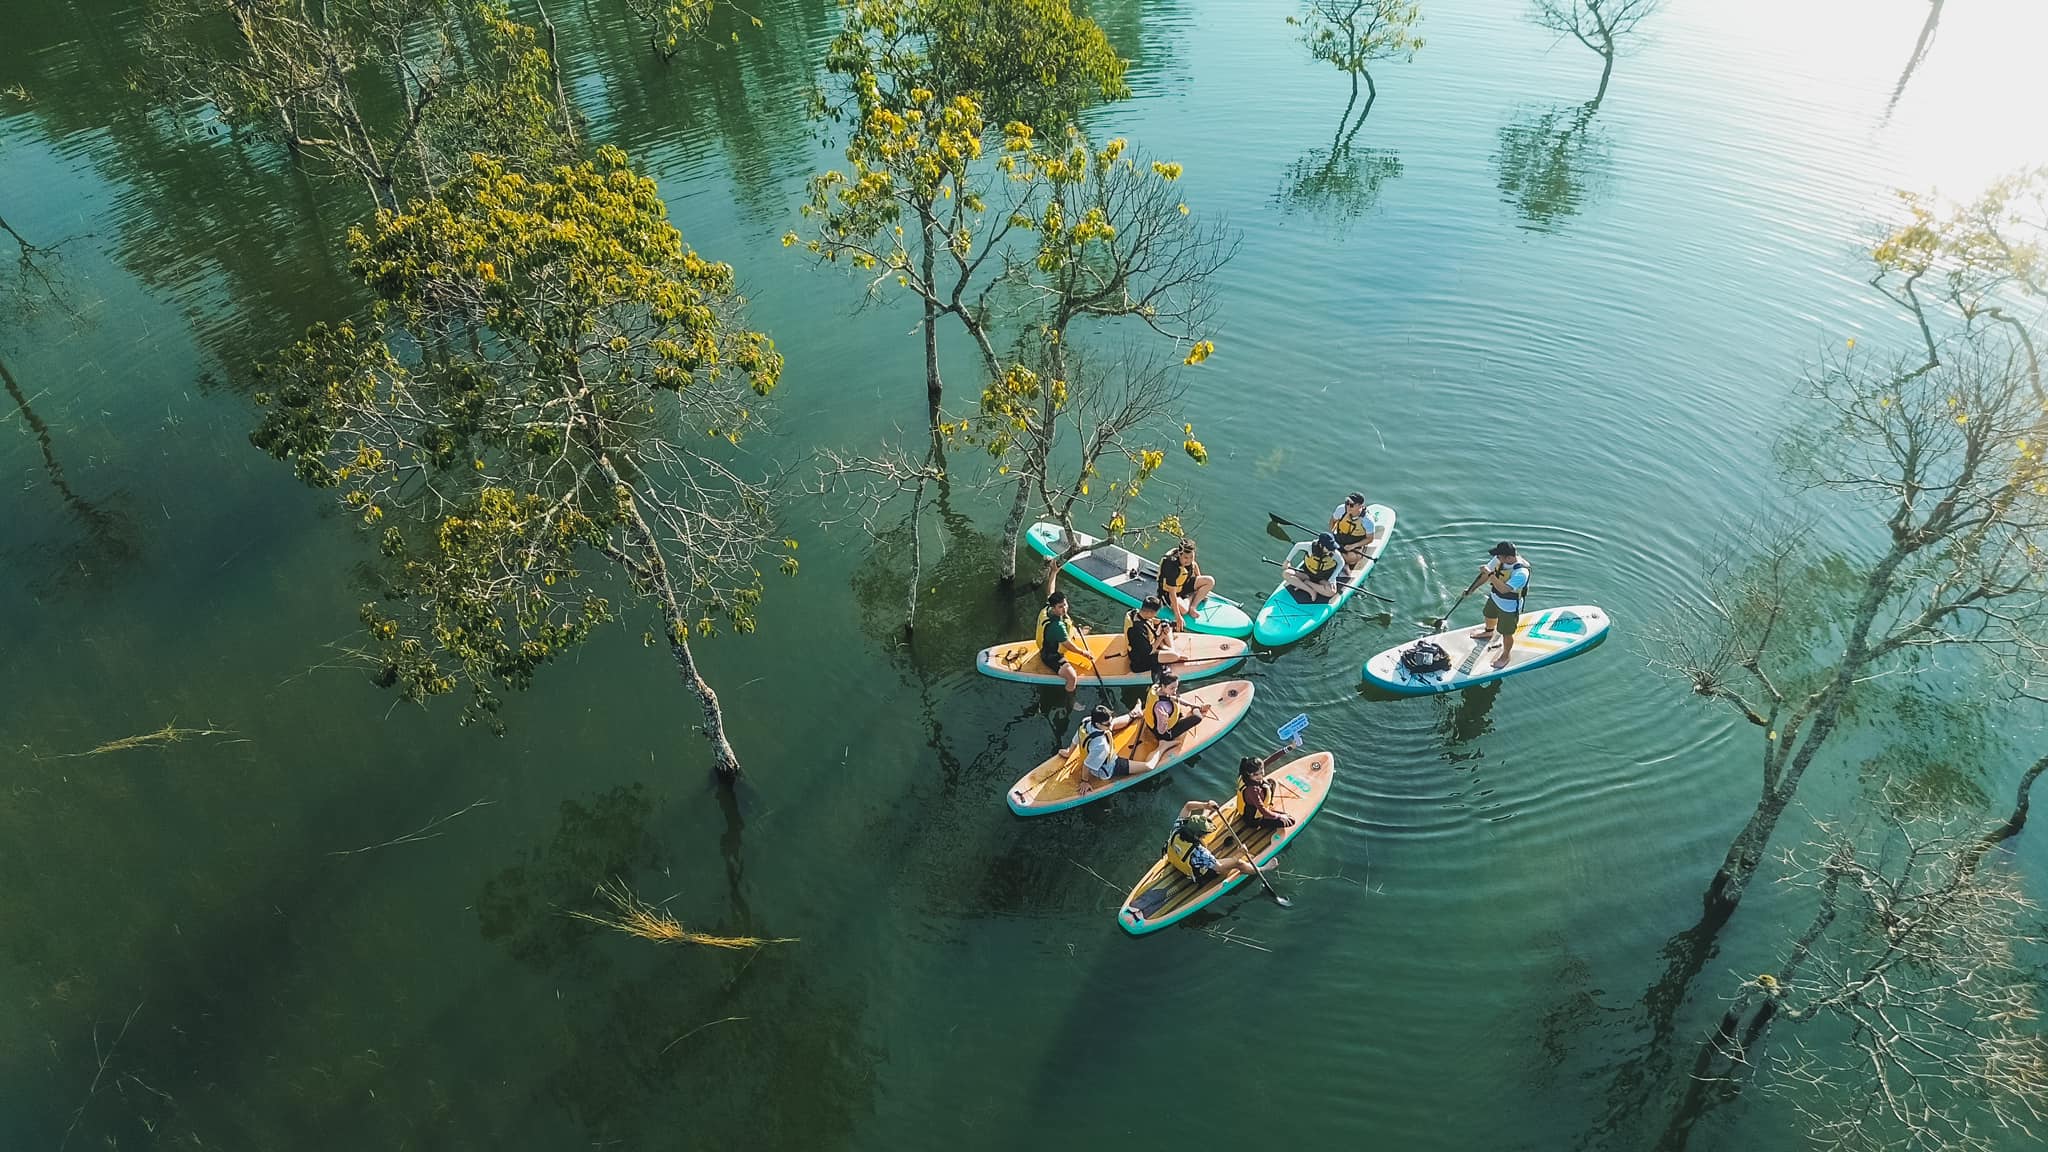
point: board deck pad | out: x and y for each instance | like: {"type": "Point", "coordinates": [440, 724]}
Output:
{"type": "Point", "coordinates": [1126, 577]}
{"type": "Point", "coordinates": [1056, 784]}
{"type": "Point", "coordinates": [1542, 638]}
{"type": "Point", "coordinates": [1286, 619]}
{"type": "Point", "coordinates": [1018, 660]}
{"type": "Point", "coordinates": [1166, 896]}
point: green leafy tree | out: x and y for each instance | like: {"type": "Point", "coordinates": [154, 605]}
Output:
{"type": "Point", "coordinates": [533, 395]}
{"type": "Point", "coordinates": [1350, 35]}
{"type": "Point", "coordinates": [923, 82]}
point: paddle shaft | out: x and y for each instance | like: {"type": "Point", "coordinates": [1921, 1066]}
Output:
{"type": "Point", "coordinates": [1095, 668]}
{"type": "Point", "coordinates": [1439, 621]}
{"type": "Point", "coordinates": [1282, 901]}
{"type": "Point", "coordinates": [1340, 584]}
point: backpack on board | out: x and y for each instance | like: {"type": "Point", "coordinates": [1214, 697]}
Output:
{"type": "Point", "coordinates": [1424, 657]}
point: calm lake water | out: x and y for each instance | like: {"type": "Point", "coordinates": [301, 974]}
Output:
{"type": "Point", "coordinates": [1502, 317]}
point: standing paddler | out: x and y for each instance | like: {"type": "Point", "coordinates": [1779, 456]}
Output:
{"type": "Point", "coordinates": [1506, 576]}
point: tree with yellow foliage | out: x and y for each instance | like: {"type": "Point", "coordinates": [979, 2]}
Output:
{"type": "Point", "coordinates": [545, 391]}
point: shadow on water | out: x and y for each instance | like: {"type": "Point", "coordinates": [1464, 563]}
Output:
{"type": "Point", "coordinates": [1920, 50]}
{"type": "Point", "coordinates": [105, 543]}
{"type": "Point", "coordinates": [1468, 718]}
{"type": "Point", "coordinates": [1551, 163]}
{"type": "Point", "coordinates": [771, 1034]}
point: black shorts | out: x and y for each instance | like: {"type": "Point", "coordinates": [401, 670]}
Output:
{"type": "Point", "coordinates": [1056, 661]}
{"type": "Point", "coordinates": [1347, 543]}
{"type": "Point", "coordinates": [1181, 727]}
{"type": "Point", "coordinates": [1267, 821]}
{"type": "Point", "coordinates": [1121, 766]}
{"type": "Point", "coordinates": [1142, 660]}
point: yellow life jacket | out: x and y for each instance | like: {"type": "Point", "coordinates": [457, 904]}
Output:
{"type": "Point", "coordinates": [1180, 851]}
{"type": "Point", "coordinates": [1177, 710]}
{"type": "Point", "coordinates": [1349, 525]}
{"type": "Point", "coordinates": [1046, 655]}
{"type": "Point", "coordinates": [1318, 567]}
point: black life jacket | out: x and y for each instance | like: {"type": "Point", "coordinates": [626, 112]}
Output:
{"type": "Point", "coordinates": [1518, 600]}
{"type": "Point", "coordinates": [1176, 577]}
{"type": "Point", "coordinates": [1157, 632]}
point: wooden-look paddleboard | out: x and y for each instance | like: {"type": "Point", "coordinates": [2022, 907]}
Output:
{"type": "Point", "coordinates": [1299, 789]}
{"type": "Point", "coordinates": [1541, 638]}
{"type": "Point", "coordinates": [1018, 660]}
{"type": "Point", "coordinates": [1126, 577]}
{"type": "Point", "coordinates": [1062, 782]}
{"type": "Point", "coordinates": [1285, 619]}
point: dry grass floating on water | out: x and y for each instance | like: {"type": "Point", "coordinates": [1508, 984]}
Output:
{"type": "Point", "coordinates": [636, 917]}
{"type": "Point", "coordinates": [168, 734]}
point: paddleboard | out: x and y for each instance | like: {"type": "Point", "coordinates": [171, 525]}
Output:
{"type": "Point", "coordinates": [1300, 787]}
{"type": "Point", "coordinates": [1062, 782]}
{"type": "Point", "coordinates": [1018, 660]}
{"type": "Point", "coordinates": [1285, 619]}
{"type": "Point", "coordinates": [1126, 577]}
{"type": "Point", "coordinates": [1541, 638]}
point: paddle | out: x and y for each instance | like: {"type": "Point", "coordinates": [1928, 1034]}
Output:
{"type": "Point", "coordinates": [1290, 732]}
{"type": "Point", "coordinates": [1379, 618]}
{"type": "Point", "coordinates": [1277, 518]}
{"type": "Point", "coordinates": [1437, 623]}
{"type": "Point", "coordinates": [1095, 670]}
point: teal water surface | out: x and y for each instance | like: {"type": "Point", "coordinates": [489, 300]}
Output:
{"type": "Point", "coordinates": [1501, 314]}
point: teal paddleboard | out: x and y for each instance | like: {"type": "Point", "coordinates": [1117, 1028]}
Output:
{"type": "Point", "coordinates": [1126, 577]}
{"type": "Point", "coordinates": [1285, 619]}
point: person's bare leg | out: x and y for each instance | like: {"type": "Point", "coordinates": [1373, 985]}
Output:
{"type": "Point", "coordinates": [1070, 677]}
{"type": "Point", "coordinates": [1203, 586]}
{"type": "Point", "coordinates": [1507, 645]}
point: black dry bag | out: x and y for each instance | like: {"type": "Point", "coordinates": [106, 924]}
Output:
{"type": "Point", "coordinates": [1425, 657]}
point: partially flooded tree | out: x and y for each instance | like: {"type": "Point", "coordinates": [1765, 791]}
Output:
{"type": "Point", "coordinates": [1349, 35]}
{"type": "Point", "coordinates": [1903, 1016]}
{"type": "Point", "coordinates": [923, 82]}
{"type": "Point", "coordinates": [1601, 25]}
{"type": "Point", "coordinates": [1946, 453]}
{"type": "Point", "coordinates": [1965, 265]}
{"type": "Point", "coordinates": [1950, 460]}
{"type": "Point", "coordinates": [1115, 244]}
{"type": "Point", "coordinates": [393, 93]}
{"type": "Point", "coordinates": [527, 414]}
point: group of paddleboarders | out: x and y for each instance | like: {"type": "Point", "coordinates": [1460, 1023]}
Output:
{"type": "Point", "coordinates": [1189, 849]}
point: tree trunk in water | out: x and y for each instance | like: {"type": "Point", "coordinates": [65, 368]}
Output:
{"type": "Point", "coordinates": [1344, 121]}
{"type": "Point", "coordinates": [723, 760]}
{"type": "Point", "coordinates": [934, 388]}
{"type": "Point", "coordinates": [555, 72]}
{"type": "Point", "coordinates": [1606, 73]}
{"type": "Point", "coordinates": [1372, 93]}
{"type": "Point", "coordinates": [1012, 526]}
{"type": "Point", "coordinates": [916, 559]}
